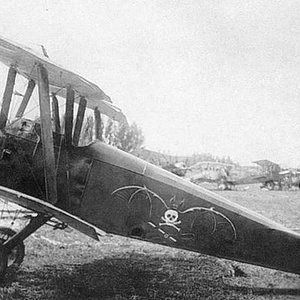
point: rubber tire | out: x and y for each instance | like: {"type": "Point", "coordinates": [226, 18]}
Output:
{"type": "Point", "coordinates": [229, 186]}
{"type": "Point", "coordinates": [222, 186]}
{"type": "Point", "coordinates": [270, 185]}
{"type": "Point", "coordinates": [19, 250]}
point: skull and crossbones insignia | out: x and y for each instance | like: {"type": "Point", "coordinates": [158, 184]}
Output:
{"type": "Point", "coordinates": [170, 217]}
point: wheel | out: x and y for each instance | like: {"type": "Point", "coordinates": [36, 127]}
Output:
{"type": "Point", "coordinates": [270, 185]}
{"type": "Point", "coordinates": [222, 186]}
{"type": "Point", "coordinates": [16, 255]}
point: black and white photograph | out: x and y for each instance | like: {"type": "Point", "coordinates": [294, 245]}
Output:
{"type": "Point", "coordinates": [149, 149]}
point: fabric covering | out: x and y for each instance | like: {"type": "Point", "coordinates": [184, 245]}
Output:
{"type": "Point", "coordinates": [26, 60]}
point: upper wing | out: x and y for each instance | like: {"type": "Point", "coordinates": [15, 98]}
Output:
{"type": "Point", "coordinates": [265, 163]}
{"type": "Point", "coordinates": [25, 60]}
{"type": "Point", "coordinates": [40, 206]}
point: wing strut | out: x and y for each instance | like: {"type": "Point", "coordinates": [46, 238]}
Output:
{"type": "Point", "coordinates": [47, 136]}
{"type": "Point", "coordinates": [79, 121]}
{"type": "Point", "coordinates": [55, 114]}
{"type": "Point", "coordinates": [34, 224]}
{"type": "Point", "coordinates": [98, 126]}
{"type": "Point", "coordinates": [70, 98]}
{"type": "Point", "coordinates": [7, 96]}
{"type": "Point", "coordinates": [28, 93]}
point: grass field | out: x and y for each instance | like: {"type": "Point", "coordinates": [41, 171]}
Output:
{"type": "Point", "coordinates": [68, 265]}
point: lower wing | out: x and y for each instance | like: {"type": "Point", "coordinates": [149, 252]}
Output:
{"type": "Point", "coordinates": [40, 206]}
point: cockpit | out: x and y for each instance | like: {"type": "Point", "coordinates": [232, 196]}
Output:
{"type": "Point", "coordinates": [25, 128]}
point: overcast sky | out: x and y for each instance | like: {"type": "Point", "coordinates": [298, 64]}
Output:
{"type": "Point", "coordinates": [197, 76]}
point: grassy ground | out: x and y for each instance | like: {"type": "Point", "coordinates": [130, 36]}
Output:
{"type": "Point", "coordinates": [68, 265]}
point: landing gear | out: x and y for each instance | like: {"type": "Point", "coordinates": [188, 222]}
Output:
{"type": "Point", "coordinates": [222, 186]}
{"type": "Point", "coordinates": [230, 186]}
{"type": "Point", "coordinates": [226, 185]}
{"type": "Point", "coordinates": [12, 248]}
{"type": "Point", "coordinates": [270, 185]}
{"type": "Point", "coordinates": [16, 255]}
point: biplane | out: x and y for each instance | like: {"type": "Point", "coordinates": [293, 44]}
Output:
{"type": "Point", "coordinates": [98, 189]}
{"type": "Point", "coordinates": [270, 177]}
{"type": "Point", "coordinates": [273, 177]}
{"type": "Point", "coordinates": [178, 168]}
{"type": "Point", "coordinates": [216, 172]}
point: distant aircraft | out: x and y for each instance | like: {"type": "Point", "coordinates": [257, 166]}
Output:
{"type": "Point", "coordinates": [290, 179]}
{"type": "Point", "coordinates": [98, 189]}
{"type": "Point", "coordinates": [216, 172]}
{"type": "Point", "coordinates": [178, 168]}
{"type": "Point", "coordinates": [273, 177]}
{"type": "Point", "coordinates": [170, 163]}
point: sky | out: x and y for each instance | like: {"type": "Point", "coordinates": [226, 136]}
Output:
{"type": "Point", "coordinates": [219, 77]}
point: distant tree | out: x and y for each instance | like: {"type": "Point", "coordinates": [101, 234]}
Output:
{"type": "Point", "coordinates": [109, 132]}
{"type": "Point", "coordinates": [122, 136]}
{"type": "Point", "coordinates": [87, 131]}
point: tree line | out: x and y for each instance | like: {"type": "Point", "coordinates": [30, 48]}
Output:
{"type": "Point", "coordinates": [123, 136]}
{"type": "Point", "coordinates": [130, 138]}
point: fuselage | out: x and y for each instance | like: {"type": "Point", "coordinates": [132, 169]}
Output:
{"type": "Point", "coordinates": [125, 195]}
